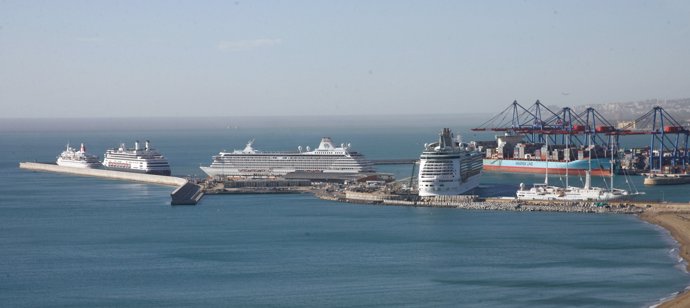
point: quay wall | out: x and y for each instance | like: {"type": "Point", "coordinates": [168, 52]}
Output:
{"type": "Point", "coordinates": [369, 197]}
{"type": "Point", "coordinates": [667, 180]}
{"type": "Point", "coordinates": [109, 174]}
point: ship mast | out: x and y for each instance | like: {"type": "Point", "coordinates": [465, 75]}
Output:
{"type": "Point", "coordinates": [546, 178]}
{"type": "Point", "coordinates": [567, 148]}
{"type": "Point", "coordinates": [611, 161]}
{"type": "Point", "coordinates": [588, 173]}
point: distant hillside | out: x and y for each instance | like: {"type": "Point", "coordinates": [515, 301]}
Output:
{"type": "Point", "coordinates": [679, 109]}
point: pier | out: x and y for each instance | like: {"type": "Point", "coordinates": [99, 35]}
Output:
{"type": "Point", "coordinates": [186, 193]}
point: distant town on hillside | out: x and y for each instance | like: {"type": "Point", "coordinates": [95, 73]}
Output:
{"type": "Point", "coordinates": [622, 113]}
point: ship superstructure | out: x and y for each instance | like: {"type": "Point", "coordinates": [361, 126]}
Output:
{"type": "Point", "coordinates": [138, 159]}
{"type": "Point", "coordinates": [327, 158]}
{"type": "Point", "coordinates": [70, 157]}
{"type": "Point", "coordinates": [448, 167]}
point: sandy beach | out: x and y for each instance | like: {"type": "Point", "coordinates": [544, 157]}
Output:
{"type": "Point", "coordinates": [677, 222]}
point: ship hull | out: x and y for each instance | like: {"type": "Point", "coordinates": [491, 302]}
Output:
{"type": "Point", "coordinates": [600, 166]}
{"type": "Point", "coordinates": [155, 172]}
{"type": "Point", "coordinates": [78, 164]}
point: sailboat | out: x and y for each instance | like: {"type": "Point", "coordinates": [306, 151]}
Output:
{"type": "Point", "coordinates": [572, 193]}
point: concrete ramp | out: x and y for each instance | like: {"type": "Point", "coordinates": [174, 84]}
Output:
{"type": "Point", "coordinates": [187, 194]}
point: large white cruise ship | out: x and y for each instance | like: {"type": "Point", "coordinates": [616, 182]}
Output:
{"type": "Point", "coordinates": [327, 158]}
{"type": "Point", "coordinates": [77, 159]}
{"type": "Point", "coordinates": [447, 167]}
{"type": "Point", "coordinates": [146, 159]}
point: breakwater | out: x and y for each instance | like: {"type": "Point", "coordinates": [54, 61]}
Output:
{"type": "Point", "coordinates": [186, 193]}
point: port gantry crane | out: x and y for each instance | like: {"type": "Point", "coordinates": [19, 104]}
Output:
{"type": "Point", "coordinates": [538, 122]}
{"type": "Point", "coordinates": [668, 137]}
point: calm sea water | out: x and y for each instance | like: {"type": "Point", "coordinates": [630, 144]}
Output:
{"type": "Point", "coordinates": [76, 241]}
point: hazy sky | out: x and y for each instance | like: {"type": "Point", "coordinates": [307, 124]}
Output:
{"type": "Point", "coordinates": [224, 58]}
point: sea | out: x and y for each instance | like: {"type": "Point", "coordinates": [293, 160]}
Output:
{"type": "Point", "coordinates": [71, 241]}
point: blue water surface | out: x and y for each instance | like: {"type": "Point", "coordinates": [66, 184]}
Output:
{"type": "Point", "coordinates": [84, 242]}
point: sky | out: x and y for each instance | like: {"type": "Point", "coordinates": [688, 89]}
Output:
{"type": "Point", "coordinates": [68, 59]}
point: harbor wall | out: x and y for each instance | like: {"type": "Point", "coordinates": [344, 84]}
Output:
{"type": "Point", "coordinates": [109, 174]}
{"type": "Point", "coordinates": [185, 194]}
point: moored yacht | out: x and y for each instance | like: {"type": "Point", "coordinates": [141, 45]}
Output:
{"type": "Point", "coordinates": [571, 193]}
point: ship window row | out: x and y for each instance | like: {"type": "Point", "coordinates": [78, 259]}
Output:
{"type": "Point", "coordinates": [134, 155]}
{"type": "Point", "coordinates": [289, 164]}
{"type": "Point", "coordinates": [439, 181]}
{"type": "Point", "coordinates": [436, 174]}
{"type": "Point", "coordinates": [292, 164]}
{"type": "Point", "coordinates": [282, 158]}
{"type": "Point", "coordinates": [298, 167]}
{"type": "Point", "coordinates": [432, 185]}
{"type": "Point", "coordinates": [438, 170]}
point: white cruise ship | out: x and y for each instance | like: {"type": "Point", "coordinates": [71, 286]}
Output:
{"type": "Point", "coordinates": [77, 159]}
{"type": "Point", "coordinates": [146, 159]}
{"type": "Point", "coordinates": [448, 167]}
{"type": "Point", "coordinates": [327, 158]}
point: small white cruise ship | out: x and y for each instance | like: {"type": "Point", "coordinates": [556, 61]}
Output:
{"type": "Point", "coordinates": [327, 158]}
{"type": "Point", "coordinates": [138, 159]}
{"type": "Point", "coordinates": [77, 159]}
{"type": "Point", "coordinates": [448, 167]}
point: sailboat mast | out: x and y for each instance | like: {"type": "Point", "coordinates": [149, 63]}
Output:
{"type": "Point", "coordinates": [588, 174]}
{"type": "Point", "coordinates": [611, 161]}
{"type": "Point", "coordinates": [546, 178]}
{"type": "Point", "coordinates": [567, 148]}
{"type": "Point", "coordinates": [589, 151]}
